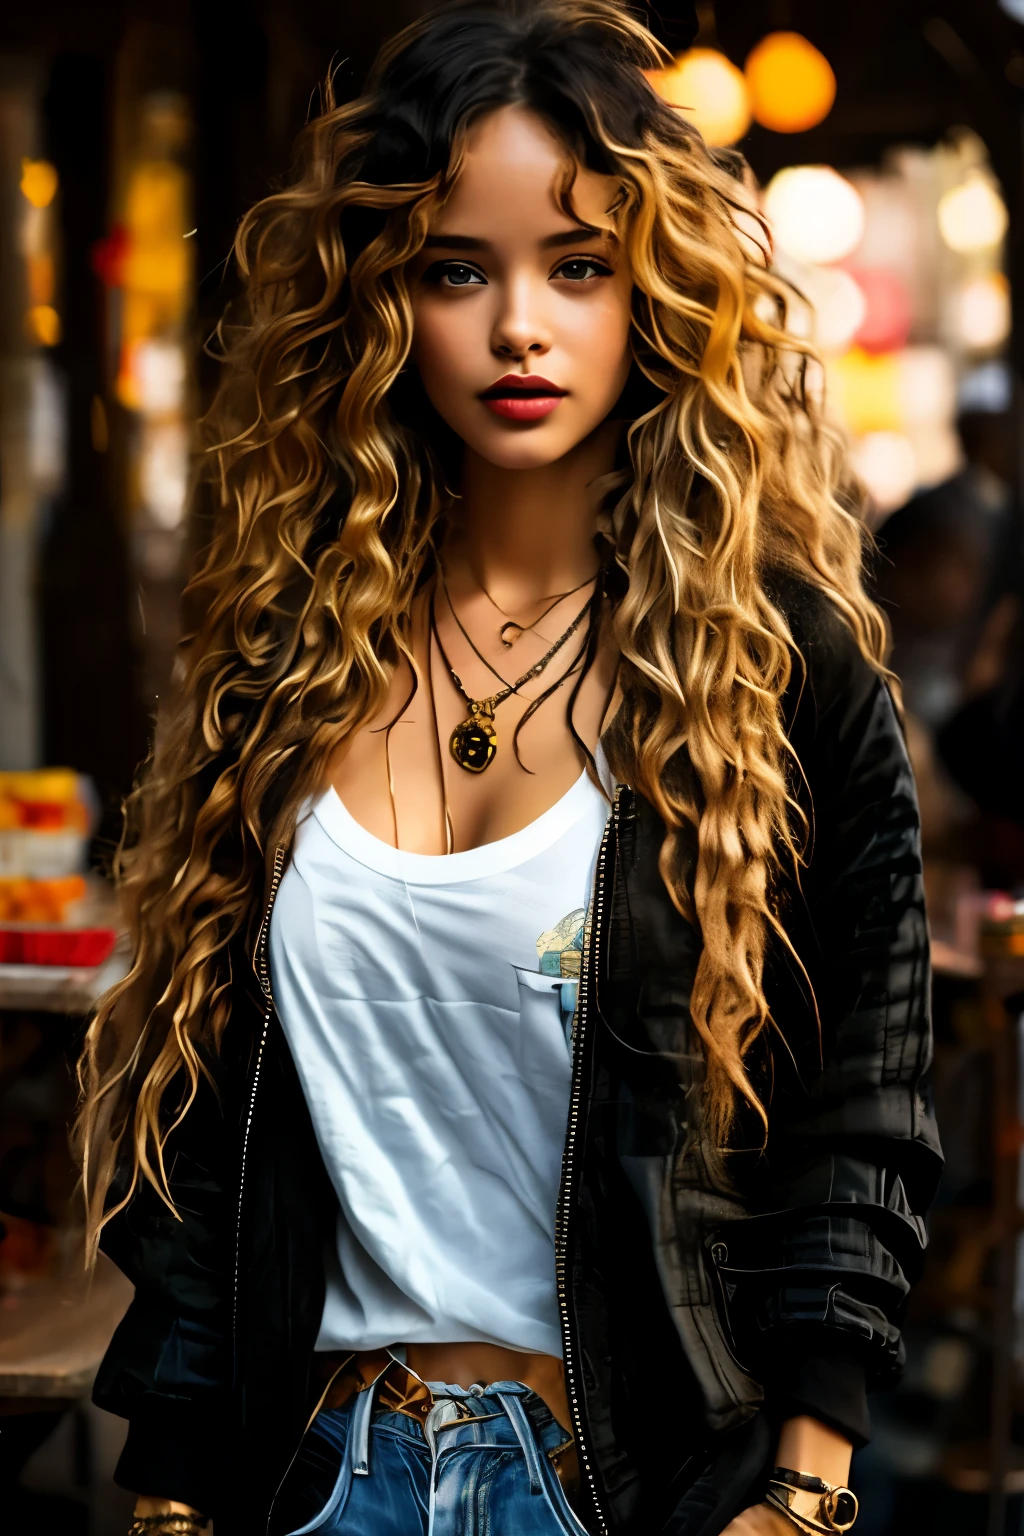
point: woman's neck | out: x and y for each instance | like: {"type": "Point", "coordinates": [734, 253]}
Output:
{"type": "Point", "coordinates": [526, 533]}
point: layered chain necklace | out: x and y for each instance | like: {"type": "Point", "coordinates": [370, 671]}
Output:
{"type": "Point", "coordinates": [512, 630]}
{"type": "Point", "coordinates": [474, 742]}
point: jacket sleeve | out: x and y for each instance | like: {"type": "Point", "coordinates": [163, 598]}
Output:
{"type": "Point", "coordinates": [168, 1368]}
{"type": "Point", "coordinates": [823, 1267]}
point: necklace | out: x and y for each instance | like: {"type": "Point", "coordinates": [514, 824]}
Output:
{"type": "Point", "coordinates": [474, 741]}
{"type": "Point", "coordinates": [465, 633]}
{"type": "Point", "coordinates": [449, 831]}
{"type": "Point", "coordinates": [512, 630]}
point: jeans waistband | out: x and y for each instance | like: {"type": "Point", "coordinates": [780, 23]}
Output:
{"type": "Point", "coordinates": [393, 1388]}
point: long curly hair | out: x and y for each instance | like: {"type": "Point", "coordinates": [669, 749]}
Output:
{"type": "Point", "coordinates": [331, 475]}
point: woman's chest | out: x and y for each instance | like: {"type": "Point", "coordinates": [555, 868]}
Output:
{"type": "Point", "coordinates": [408, 777]}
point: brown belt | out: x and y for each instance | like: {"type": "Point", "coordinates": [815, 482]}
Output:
{"type": "Point", "coordinates": [341, 1376]}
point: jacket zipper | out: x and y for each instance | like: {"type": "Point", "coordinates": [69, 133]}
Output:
{"type": "Point", "coordinates": [566, 1188]}
{"type": "Point", "coordinates": [263, 977]}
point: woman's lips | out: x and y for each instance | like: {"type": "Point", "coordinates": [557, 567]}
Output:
{"type": "Point", "coordinates": [522, 407]}
{"type": "Point", "coordinates": [522, 397]}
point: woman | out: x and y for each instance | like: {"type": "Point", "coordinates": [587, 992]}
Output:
{"type": "Point", "coordinates": [520, 1078]}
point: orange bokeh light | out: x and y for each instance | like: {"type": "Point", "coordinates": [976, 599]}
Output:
{"type": "Point", "coordinates": [43, 324]}
{"type": "Point", "coordinates": [38, 182]}
{"type": "Point", "coordinates": [709, 90]}
{"type": "Point", "coordinates": [791, 83]}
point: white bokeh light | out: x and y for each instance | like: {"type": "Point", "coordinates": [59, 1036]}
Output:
{"type": "Point", "coordinates": [926, 385]}
{"type": "Point", "coordinates": [887, 464]}
{"type": "Point", "coordinates": [981, 311]}
{"type": "Point", "coordinates": [816, 214]}
{"type": "Point", "coordinates": [972, 216]}
{"type": "Point", "coordinates": [839, 307]}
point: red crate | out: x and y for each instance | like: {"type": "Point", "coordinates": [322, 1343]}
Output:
{"type": "Point", "coordinates": [56, 946]}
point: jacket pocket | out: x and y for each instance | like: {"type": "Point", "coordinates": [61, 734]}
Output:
{"type": "Point", "coordinates": [715, 1257]}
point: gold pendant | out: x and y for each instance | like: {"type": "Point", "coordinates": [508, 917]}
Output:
{"type": "Point", "coordinates": [474, 741]}
{"type": "Point", "coordinates": [509, 634]}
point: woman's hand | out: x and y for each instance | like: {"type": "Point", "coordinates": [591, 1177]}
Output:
{"type": "Point", "coordinates": [760, 1520]}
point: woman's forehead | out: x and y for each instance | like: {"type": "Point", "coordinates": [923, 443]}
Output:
{"type": "Point", "coordinates": [513, 177]}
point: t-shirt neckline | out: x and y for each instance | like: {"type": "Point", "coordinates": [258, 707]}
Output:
{"type": "Point", "coordinates": [492, 858]}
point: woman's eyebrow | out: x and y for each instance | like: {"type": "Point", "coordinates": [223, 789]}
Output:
{"type": "Point", "coordinates": [576, 236]}
{"type": "Point", "coordinates": [550, 242]}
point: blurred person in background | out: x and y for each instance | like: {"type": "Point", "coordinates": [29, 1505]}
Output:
{"type": "Point", "coordinates": [488, 1060]}
{"type": "Point", "coordinates": [981, 748]}
{"type": "Point", "coordinates": [949, 569]}
{"type": "Point", "coordinates": [948, 574]}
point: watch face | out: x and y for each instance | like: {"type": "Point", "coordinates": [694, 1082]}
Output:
{"type": "Point", "coordinates": [841, 1507]}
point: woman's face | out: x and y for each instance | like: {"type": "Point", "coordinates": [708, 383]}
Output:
{"type": "Point", "coordinates": [508, 287]}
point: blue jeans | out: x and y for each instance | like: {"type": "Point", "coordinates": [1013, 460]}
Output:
{"type": "Point", "coordinates": [478, 1466]}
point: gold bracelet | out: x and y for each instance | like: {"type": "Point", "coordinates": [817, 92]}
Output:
{"type": "Point", "coordinates": [171, 1523]}
{"type": "Point", "coordinates": [815, 1507]}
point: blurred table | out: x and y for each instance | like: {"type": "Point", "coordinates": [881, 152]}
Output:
{"type": "Point", "coordinates": [63, 989]}
{"type": "Point", "coordinates": [67, 989]}
{"type": "Point", "coordinates": [53, 1334]}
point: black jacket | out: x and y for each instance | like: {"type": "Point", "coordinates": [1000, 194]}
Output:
{"type": "Point", "coordinates": [700, 1303]}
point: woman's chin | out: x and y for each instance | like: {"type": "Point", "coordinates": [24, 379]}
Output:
{"type": "Point", "coordinates": [530, 447]}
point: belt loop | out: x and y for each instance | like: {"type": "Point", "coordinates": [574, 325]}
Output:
{"type": "Point", "coordinates": [524, 1434]}
{"type": "Point", "coordinates": [359, 1428]}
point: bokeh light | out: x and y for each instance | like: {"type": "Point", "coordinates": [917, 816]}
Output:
{"type": "Point", "coordinates": [981, 311]}
{"type": "Point", "coordinates": [864, 391]}
{"type": "Point", "coordinates": [160, 371]}
{"type": "Point", "coordinates": [711, 91]}
{"type": "Point", "coordinates": [887, 464]}
{"type": "Point", "coordinates": [43, 324]}
{"type": "Point", "coordinates": [835, 308]}
{"type": "Point", "coordinates": [926, 386]}
{"type": "Point", "coordinates": [937, 451]}
{"type": "Point", "coordinates": [816, 214]}
{"type": "Point", "coordinates": [792, 86]}
{"type": "Point", "coordinates": [972, 216]}
{"type": "Point", "coordinates": [888, 311]}
{"type": "Point", "coordinates": [38, 182]}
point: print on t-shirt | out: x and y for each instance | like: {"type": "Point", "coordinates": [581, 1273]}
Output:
{"type": "Point", "coordinates": [560, 957]}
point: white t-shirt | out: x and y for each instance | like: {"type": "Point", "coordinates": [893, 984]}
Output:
{"type": "Point", "coordinates": [427, 1001]}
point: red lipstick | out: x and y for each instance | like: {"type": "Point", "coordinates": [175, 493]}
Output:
{"type": "Point", "coordinates": [522, 397]}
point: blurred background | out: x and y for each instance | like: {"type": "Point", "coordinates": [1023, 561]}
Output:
{"type": "Point", "coordinates": [887, 138]}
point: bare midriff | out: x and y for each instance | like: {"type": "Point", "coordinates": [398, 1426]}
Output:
{"type": "Point", "coordinates": [463, 1364]}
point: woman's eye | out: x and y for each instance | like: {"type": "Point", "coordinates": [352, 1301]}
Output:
{"type": "Point", "coordinates": [453, 274]}
{"type": "Point", "coordinates": [578, 269]}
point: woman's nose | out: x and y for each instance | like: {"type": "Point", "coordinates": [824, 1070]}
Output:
{"type": "Point", "coordinates": [521, 328]}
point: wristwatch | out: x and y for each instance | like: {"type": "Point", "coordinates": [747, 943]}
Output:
{"type": "Point", "coordinates": [814, 1506]}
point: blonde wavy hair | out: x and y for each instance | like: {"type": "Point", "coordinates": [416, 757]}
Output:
{"type": "Point", "coordinates": [331, 477]}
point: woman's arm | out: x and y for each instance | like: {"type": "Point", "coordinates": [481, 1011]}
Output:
{"type": "Point", "coordinates": [820, 1272]}
{"type": "Point", "coordinates": [168, 1367]}
{"type": "Point", "coordinates": [805, 1445]}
